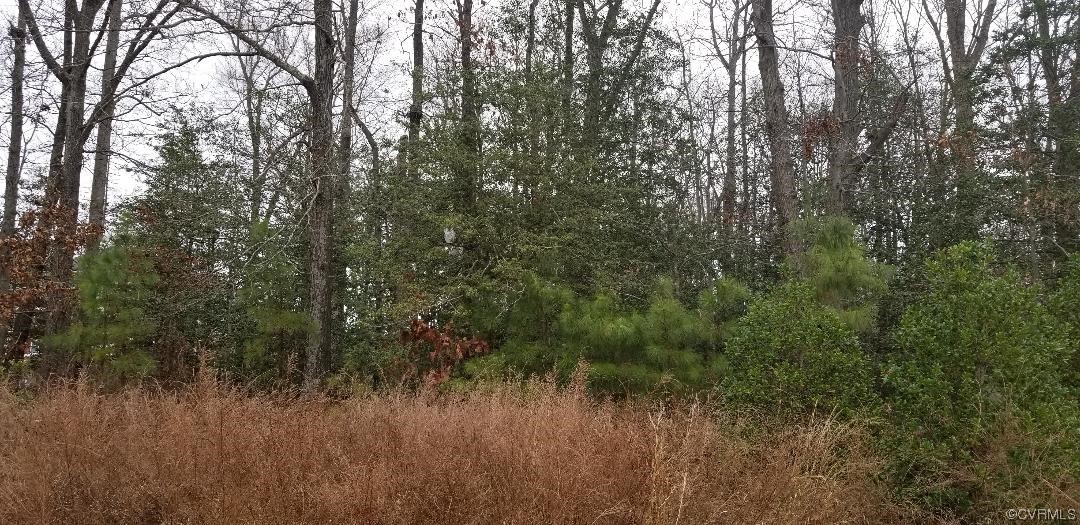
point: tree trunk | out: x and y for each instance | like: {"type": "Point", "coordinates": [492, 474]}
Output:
{"type": "Point", "coordinates": [343, 190]}
{"type": "Point", "coordinates": [320, 209]}
{"type": "Point", "coordinates": [347, 93]}
{"type": "Point", "coordinates": [735, 51]}
{"type": "Point", "coordinates": [568, 60]}
{"type": "Point", "coordinates": [969, 207]}
{"type": "Point", "coordinates": [14, 159]}
{"type": "Point", "coordinates": [56, 151]}
{"type": "Point", "coordinates": [63, 252]}
{"type": "Point", "coordinates": [253, 107]}
{"type": "Point", "coordinates": [968, 215]}
{"type": "Point", "coordinates": [103, 147]}
{"type": "Point", "coordinates": [727, 192]}
{"type": "Point", "coordinates": [847, 23]}
{"type": "Point", "coordinates": [596, 42]}
{"type": "Point", "coordinates": [1062, 112]}
{"type": "Point", "coordinates": [470, 116]}
{"type": "Point", "coordinates": [416, 108]}
{"type": "Point", "coordinates": [776, 127]}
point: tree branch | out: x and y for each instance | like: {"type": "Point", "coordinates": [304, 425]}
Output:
{"type": "Point", "coordinates": [305, 80]}
{"type": "Point", "coordinates": [39, 42]}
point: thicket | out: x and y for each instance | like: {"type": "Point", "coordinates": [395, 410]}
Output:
{"type": "Point", "coordinates": [968, 400]}
{"type": "Point", "coordinates": [967, 372]}
{"type": "Point", "coordinates": [979, 402]}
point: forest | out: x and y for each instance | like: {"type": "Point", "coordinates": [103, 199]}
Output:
{"type": "Point", "coordinates": [518, 261]}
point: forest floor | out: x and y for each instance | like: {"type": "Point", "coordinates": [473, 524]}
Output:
{"type": "Point", "coordinates": [534, 454]}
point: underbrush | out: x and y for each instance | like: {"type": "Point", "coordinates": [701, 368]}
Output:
{"type": "Point", "coordinates": [501, 454]}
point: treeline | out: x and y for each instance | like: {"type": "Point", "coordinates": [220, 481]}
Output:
{"type": "Point", "coordinates": [876, 218]}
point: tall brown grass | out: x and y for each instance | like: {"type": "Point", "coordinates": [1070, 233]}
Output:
{"type": "Point", "coordinates": [537, 454]}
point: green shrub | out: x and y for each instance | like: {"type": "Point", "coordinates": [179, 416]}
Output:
{"type": "Point", "coordinates": [114, 330]}
{"type": "Point", "coordinates": [979, 412]}
{"type": "Point", "coordinates": [667, 346]}
{"type": "Point", "coordinates": [279, 335]}
{"type": "Point", "coordinates": [842, 276]}
{"type": "Point", "coordinates": [1065, 305]}
{"type": "Point", "coordinates": [722, 304]}
{"type": "Point", "coordinates": [791, 355]}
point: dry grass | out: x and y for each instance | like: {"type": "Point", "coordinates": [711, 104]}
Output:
{"type": "Point", "coordinates": [213, 455]}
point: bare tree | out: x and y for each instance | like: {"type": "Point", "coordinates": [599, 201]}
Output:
{"type": "Point", "coordinates": [79, 26]}
{"type": "Point", "coordinates": [100, 183]}
{"type": "Point", "coordinates": [319, 89]}
{"type": "Point", "coordinates": [776, 126]}
{"type": "Point", "coordinates": [416, 108]}
{"type": "Point", "coordinates": [74, 122]}
{"type": "Point", "coordinates": [17, 32]}
{"type": "Point", "coordinates": [730, 48]}
{"type": "Point", "coordinates": [959, 63]}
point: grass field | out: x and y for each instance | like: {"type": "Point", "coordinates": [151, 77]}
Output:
{"type": "Point", "coordinates": [500, 455]}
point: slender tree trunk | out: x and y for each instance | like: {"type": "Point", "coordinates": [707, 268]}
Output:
{"type": "Point", "coordinates": [530, 41]}
{"type": "Point", "coordinates": [531, 172]}
{"type": "Point", "coordinates": [343, 191]}
{"type": "Point", "coordinates": [595, 43]}
{"type": "Point", "coordinates": [736, 49]}
{"type": "Point", "coordinates": [253, 107]}
{"type": "Point", "coordinates": [14, 159]}
{"type": "Point", "coordinates": [24, 320]}
{"type": "Point", "coordinates": [1061, 124]}
{"type": "Point", "coordinates": [56, 151]}
{"type": "Point", "coordinates": [969, 207]}
{"type": "Point", "coordinates": [103, 147]}
{"type": "Point", "coordinates": [776, 126]}
{"type": "Point", "coordinates": [347, 94]}
{"type": "Point", "coordinates": [416, 108]}
{"type": "Point", "coordinates": [745, 211]}
{"type": "Point", "coordinates": [320, 207]}
{"type": "Point", "coordinates": [568, 60]}
{"type": "Point", "coordinates": [727, 197]}
{"type": "Point", "coordinates": [470, 115]}
{"type": "Point", "coordinates": [847, 23]}
{"type": "Point", "coordinates": [968, 211]}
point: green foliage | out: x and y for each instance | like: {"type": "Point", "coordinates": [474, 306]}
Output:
{"type": "Point", "coordinates": [977, 401]}
{"type": "Point", "coordinates": [664, 346]}
{"type": "Point", "coordinates": [1065, 305]}
{"type": "Point", "coordinates": [115, 330]}
{"type": "Point", "coordinates": [789, 354]}
{"type": "Point", "coordinates": [842, 276]}
{"type": "Point", "coordinates": [723, 304]}
{"type": "Point", "coordinates": [278, 337]}
{"type": "Point", "coordinates": [797, 349]}
{"type": "Point", "coordinates": [268, 347]}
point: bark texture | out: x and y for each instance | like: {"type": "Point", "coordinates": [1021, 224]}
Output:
{"type": "Point", "coordinates": [782, 172]}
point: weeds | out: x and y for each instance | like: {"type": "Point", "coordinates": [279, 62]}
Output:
{"type": "Point", "coordinates": [210, 454]}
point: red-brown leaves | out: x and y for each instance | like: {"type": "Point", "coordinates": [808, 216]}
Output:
{"type": "Point", "coordinates": [24, 257]}
{"type": "Point", "coordinates": [438, 350]}
{"type": "Point", "coordinates": [817, 128]}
